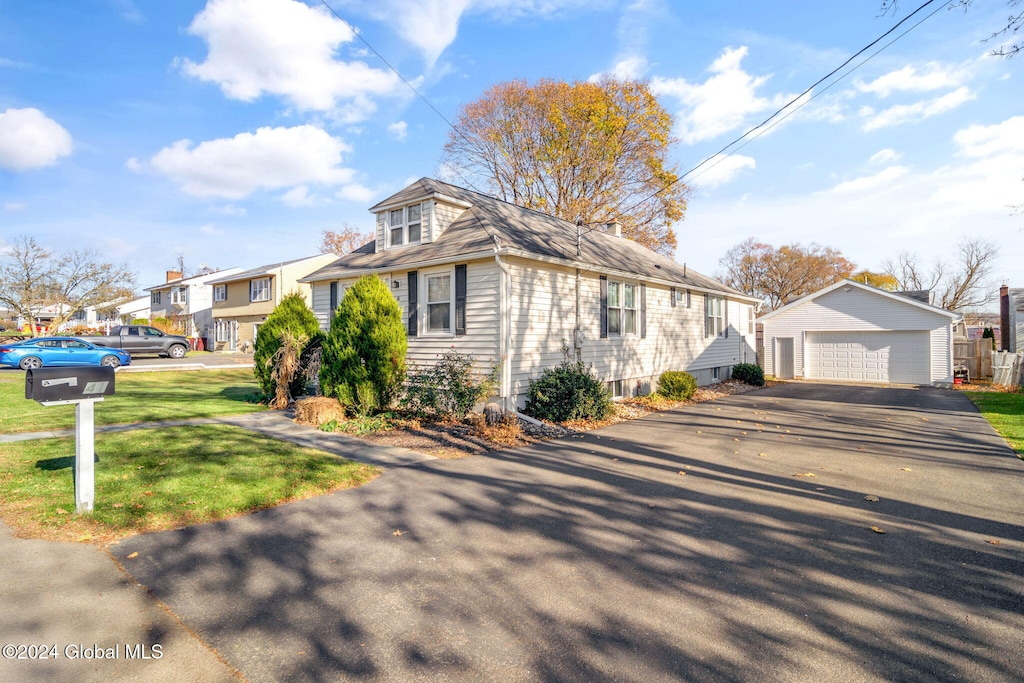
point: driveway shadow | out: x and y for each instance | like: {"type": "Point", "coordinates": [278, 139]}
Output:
{"type": "Point", "coordinates": [688, 545]}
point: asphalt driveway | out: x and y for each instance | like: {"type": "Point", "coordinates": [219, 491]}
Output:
{"type": "Point", "coordinates": [727, 541]}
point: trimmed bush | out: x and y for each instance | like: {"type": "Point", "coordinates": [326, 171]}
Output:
{"type": "Point", "coordinates": [291, 316]}
{"type": "Point", "coordinates": [569, 391]}
{"type": "Point", "coordinates": [448, 388]}
{"type": "Point", "coordinates": [677, 385]}
{"type": "Point", "coordinates": [749, 373]}
{"type": "Point", "coordinates": [363, 358]}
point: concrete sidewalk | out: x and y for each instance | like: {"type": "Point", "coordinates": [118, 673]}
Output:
{"type": "Point", "coordinates": [72, 599]}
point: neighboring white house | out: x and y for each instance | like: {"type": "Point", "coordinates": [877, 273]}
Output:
{"type": "Point", "coordinates": [516, 287]}
{"type": "Point", "coordinates": [189, 300]}
{"type": "Point", "coordinates": [1011, 318]}
{"type": "Point", "coordinates": [853, 332]}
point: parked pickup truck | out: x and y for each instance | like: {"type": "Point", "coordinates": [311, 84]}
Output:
{"type": "Point", "coordinates": [142, 339]}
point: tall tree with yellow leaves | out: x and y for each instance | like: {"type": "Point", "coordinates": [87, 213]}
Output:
{"type": "Point", "coordinates": [595, 152]}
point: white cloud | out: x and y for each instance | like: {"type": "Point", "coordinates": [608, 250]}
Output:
{"type": "Point", "coordinates": [10, 207]}
{"type": "Point", "coordinates": [357, 193]}
{"type": "Point", "coordinates": [906, 113]}
{"type": "Point", "coordinates": [229, 210]}
{"type": "Point", "coordinates": [29, 139]}
{"type": "Point", "coordinates": [298, 197]}
{"type": "Point", "coordinates": [129, 12]}
{"type": "Point", "coordinates": [721, 103]}
{"type": "Point", "coordinates": [723, 169]}
{"type": "Point", "coordinates": [133, 165]}
{"type": "Point", "coordinates": [285, 48]}
{"type": "Point", "coordinates": [399, 130]}
{"type": "Point", "coordinates": [210, 229]}
{"type": "Point", "coordinates": [885, 156]}
{"type": "Point", "coordinates": [269, 159]}
{"type": "Point", "coordinates": [1001, 138]}
{"type": "Point", "coordinates": [433, 25]}
{"type": "Point", "coordinates": [933, 77]}
{"type": "Point", "coordinates": [883, 177]}
{"type": "Point", "coordinates": [626, 69]}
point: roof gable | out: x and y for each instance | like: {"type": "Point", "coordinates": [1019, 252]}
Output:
{"type": "Point", "coordinates": [846, 283]}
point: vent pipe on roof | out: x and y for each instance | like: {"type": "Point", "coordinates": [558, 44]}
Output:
{"type": "Point", "coordinates": [614, 229]}
{"type": "Point", "coordinates": [684, 270]}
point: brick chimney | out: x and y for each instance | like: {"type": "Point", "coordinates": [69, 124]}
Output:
{"type": "Point", "coordinates": [1004, 318]}
{"type": "Point", "coordinates": [614, 229]}
{"type": "Point", "coordinates": [173, 275]}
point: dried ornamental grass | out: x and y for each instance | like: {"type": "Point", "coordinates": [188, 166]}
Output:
{"type": "Point", "coordinates": [318, 410]}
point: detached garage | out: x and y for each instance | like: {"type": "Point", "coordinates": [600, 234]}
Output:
{"type": "Point", "coordinates": [852, 332]}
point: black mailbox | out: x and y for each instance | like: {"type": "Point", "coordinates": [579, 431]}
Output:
{"type": "Point", "coordinates": [68, 384]}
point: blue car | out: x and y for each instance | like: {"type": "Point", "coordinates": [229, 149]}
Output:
{"type": "Point", "coordinates": [59, 351]}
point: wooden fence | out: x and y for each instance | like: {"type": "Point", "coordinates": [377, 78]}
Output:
{"type": "Point", "coordinates": [1007, 368]}
{"type": "Point", "coordinates": [975, 355]}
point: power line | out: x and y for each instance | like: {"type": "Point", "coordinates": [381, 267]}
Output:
{"type": "Point", "coordinates": [796, 99]}
{"type": "Point", "coordinates": [819, 93]}
{"type": "Point", "coordinates": [402, 78]}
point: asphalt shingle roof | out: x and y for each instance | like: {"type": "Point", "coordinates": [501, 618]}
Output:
{"type": "Point", "coordinates": [534, 233]}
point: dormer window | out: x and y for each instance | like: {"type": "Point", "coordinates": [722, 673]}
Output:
{"type": "Point", "coordinates": [405, 225]}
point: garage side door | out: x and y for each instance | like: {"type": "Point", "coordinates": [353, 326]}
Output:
{"type": "Point", "coordinates": [899, 357]}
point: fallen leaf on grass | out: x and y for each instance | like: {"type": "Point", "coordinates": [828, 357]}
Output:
{"type": "Point", "coordinates": [993, 541]}
{"type": "Point", "coordinates": [396, 532]}
{"type": "Point", "coordinates": [871, 499]}
{"type": "Point", "coordinates": [133, 555]}
{"type": "Point", "coordinates": [117, 505]}
{"type": "Point", "coordinates": [877, 530]}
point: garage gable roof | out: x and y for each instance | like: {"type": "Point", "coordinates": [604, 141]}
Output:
{"type": "Point", "coordinates": [867, 288]}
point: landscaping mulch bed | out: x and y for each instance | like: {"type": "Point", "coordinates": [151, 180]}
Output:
{"type": "Point", "coordinates": [458, 440]}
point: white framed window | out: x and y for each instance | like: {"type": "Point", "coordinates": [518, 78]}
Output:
{"type": "Point", "coordinates": [680, 296]}
{"type": "Point", "coordinates": [405, 225]}
{"type": "Point", "coordinates": [615, 387]}
{"type": "Point", "coordinates": [622, 305]}
{"type": "Point", "coordinates": [155, 298]}
{"type": "Point", "coordinates": [222, 330]}
{"type": "Point", "coordinates": [259, 289]}
{"type": "Point", "coordinates": [179, 295]}
{"type": "Point", "coordinates": [440, 301]}
{"type": "Point", "coordinates": [715, 375]}
{"type": "Point", "coordinates": [220, 292]}
{"type": "Point", "coordinates": [714, 316]}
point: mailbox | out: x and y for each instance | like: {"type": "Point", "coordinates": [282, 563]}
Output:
{"type": "Point", "coordinates": [69, 383]}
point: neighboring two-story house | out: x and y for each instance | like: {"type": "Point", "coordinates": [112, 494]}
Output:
{"type": "Point", "coordinates": [243, 300]}
{"type": "Point", "coordinates": [516, 287]}
{"type": "Point", "coordinates": [189, 300]}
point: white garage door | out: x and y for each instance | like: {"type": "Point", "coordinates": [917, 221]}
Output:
{"type": "Point", "coordinates": [899, 357]}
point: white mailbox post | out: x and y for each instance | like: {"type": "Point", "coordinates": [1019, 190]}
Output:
{"type": "Point", "coordinates": [83, 387]}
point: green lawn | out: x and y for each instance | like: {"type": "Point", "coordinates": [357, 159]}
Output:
{"type": "Point", "coordinates": [160, 479]}
{"type": "Point", "coordinates": [139, 397]}
{"type": "Point", "coordinates": [1005, 412]}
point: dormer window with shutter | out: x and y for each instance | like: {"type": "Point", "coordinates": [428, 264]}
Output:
{"type": "Point", "coordinates": [405, 225]}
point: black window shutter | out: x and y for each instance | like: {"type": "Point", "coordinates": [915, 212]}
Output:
{"type": "Point", "coordinates": [707, 319]}
{"type": "Point", "coordinates": [334, 299]}
{"type": "Point", "coordinates": [725, 317]}
{"type": "Point", "coordinates": [460, 299]}
{"type": "Point", "coordinates": [672, 297]}
{"type": "Point", "coordinates": [643, 311]}
{"type": "Point", "coordinates": [413, 310]}
{"type": "Point", "coordinates": [604, 307]}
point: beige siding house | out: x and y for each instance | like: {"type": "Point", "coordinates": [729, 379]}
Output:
{"type": "Point", "coordinates": [520, 289]}
{"type": "Point", "coordinates": [186, 300]}
{"type": "Point", "coordinates": [243, 300]}
{"type": "Point", "coordinates": [852, 332]}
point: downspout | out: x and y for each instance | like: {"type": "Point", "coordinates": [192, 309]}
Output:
{"type": "Point", "coordinates": [504, 328]}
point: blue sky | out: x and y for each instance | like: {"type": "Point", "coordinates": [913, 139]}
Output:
{"type": "Point", "coordinates": [234, 131]}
